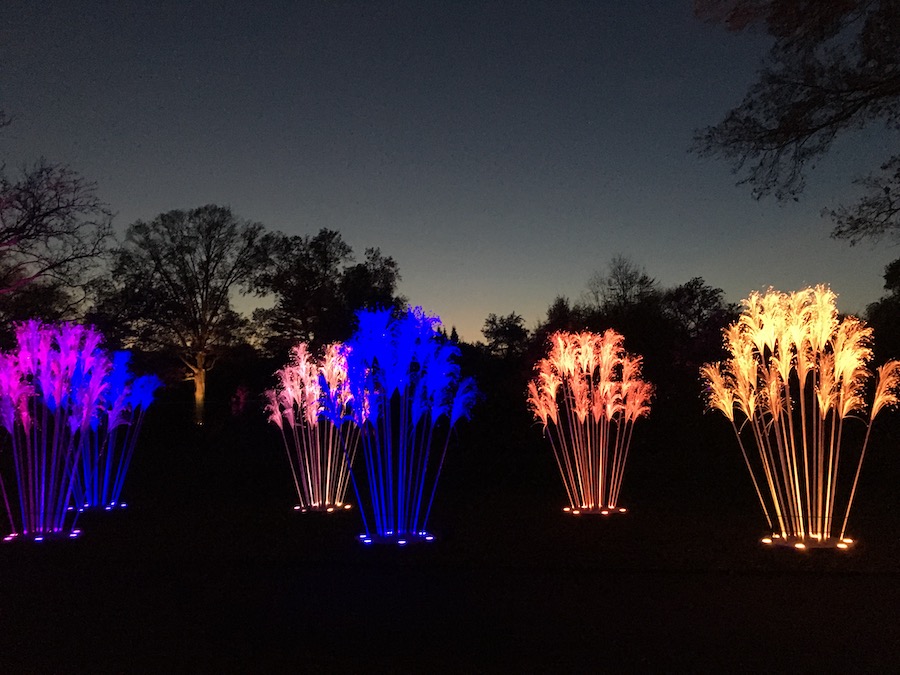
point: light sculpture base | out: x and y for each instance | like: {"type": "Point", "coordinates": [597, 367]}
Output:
{"type": "Point", "coordinates": [595, 511]}
{"type": "Point", "coordinates": [322, 508]}
{"type": "Point", "coordinates": [39, 537]}
{"type": "Point", "coordinates": [398, 539]}
{"type": "Point", "coordinates": [112, 506]}
{"type": "Point", "coordinates": [805, 543]}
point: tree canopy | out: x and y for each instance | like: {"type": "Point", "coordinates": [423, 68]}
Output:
{"type": "Point", "coordinates": [171, 286]}
{"type": "Point", "coordinates": [53, 229]}
{"type": "Point", "coordinates": [318, 286]}
{"type": "Point", "coordinates": [506, 335]}
{"type": "Point", "coordinates": [834, 67]}
{"type": "Point", "coordinates": [623, 285]}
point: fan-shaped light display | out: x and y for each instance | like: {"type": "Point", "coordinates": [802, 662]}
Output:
{"type": "Point", "coordinates": [320, 448]}
{"type": "Point", "coordinates": [62, 404]}
{"type": "Point", "coordinates": [588, 393]}
{"type": "Point", "coordinates": [407, 394]}
{"type": "Point", "coordinates": [792, 388]}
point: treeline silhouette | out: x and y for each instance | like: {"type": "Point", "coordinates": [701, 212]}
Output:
{"type": "Point", "coordinates": [167, 292]}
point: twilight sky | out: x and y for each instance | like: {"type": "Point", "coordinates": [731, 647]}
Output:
{"type": "Point", "coordinates": [500, 152]}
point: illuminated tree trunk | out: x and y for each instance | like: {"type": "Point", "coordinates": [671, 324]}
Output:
{"type": "Point", "coordinates": [198, 373]}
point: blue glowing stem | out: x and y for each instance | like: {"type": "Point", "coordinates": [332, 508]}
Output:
{"type": "Point", "coordinates": [436, 477]}
{"type": "Point", "coordinates": [422, 469]}
{"type": "Point", "coordinates": [132, 432]}
{"type": "Point", "coordinates": [388, 446]}
{"type": "Point", "coordinates": [349, 461]}
{"type": "Point", "coordinates": [112, 493]}
{"type": "Point", "coordinates": [110, 445]}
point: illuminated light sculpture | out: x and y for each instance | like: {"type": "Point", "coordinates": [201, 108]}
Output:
{"type": "Point", "coordinates": [588, 393]}
{"type": "Point", "coordinates": [795, 375]}
{"type": "Point", "coordinates": [112, 436]}
{"type": "Point", "coordinates": [320, 448]}
{"type": "Point", "coordinates": [50, 389]}
{"type": "Point", "coordinates": [407, 396]}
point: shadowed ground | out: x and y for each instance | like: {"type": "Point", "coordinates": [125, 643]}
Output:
{"type": "Point", "coordinates": [209, 569]}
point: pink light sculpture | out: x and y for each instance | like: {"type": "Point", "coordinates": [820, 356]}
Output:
{"type": "Point", "coordinates": [50, 391]}
{"type": "Point", "coordinates": [588, 393]}
{"type": "Point", "coordinates": [320, 448]}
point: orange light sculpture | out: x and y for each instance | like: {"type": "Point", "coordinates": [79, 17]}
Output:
{"type": "Point", "coordinates": [320, 450]}
{"type": "Point", "coordinates": [795, 376]}
{"type": "Point", "coordinates": [588, 393]}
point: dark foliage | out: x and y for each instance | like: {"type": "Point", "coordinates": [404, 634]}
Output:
{"type": "Point", "coordinates": [53, 229]}
{"type": "Point", "coordinates": [171, 286]}
{"type": "Point", "coordinates": [318, 287]}
{"type": "Point", "coordinates": [834, 68]}
{"type": "Point", "coordinates": [884, 316]}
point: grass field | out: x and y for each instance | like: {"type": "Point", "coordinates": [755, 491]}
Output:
{"type": "Point", "coordinates": [210, 570]}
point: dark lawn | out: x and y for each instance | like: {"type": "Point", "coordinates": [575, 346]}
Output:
{"type": "Point", "coordinates": [209, 569]}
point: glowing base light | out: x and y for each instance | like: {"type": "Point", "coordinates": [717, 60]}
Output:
{"type": "Point", "coordinates": [404, 539]}
{"type": "Point", "coordinates": [112, 506]}
{"type": "Point", "coordinates": [323, 508]}
{"type": "Point", "coordinates": [595, 510]}
{"type": "Point", "coordinates": [805, 543]}
{"type": "Point", "coordinates": [39, 537]}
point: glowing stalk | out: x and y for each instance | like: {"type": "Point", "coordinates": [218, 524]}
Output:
{"type": "Point", "coordinates": [310, 406]}
{"type": "Point", "coordinates": [795, 375]}
{"type": "Point", "coordinates": [407, 394]}
{"type": "Point", "coordinates": [588, 393]}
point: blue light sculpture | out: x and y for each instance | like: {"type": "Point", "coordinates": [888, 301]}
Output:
{"type": "Point", "coordinates": [112, 436]}
{"type": "Point", "coordinates": [407, 396]}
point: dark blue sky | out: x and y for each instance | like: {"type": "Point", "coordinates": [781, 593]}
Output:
{"type": "Point", "coordinates": [500, 152]}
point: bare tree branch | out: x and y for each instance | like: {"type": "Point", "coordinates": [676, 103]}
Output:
{"type": "Point", "coordinates": [834, 67]}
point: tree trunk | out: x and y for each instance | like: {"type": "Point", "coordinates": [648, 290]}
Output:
{"type": "Point", "coordinates": [199, 376]}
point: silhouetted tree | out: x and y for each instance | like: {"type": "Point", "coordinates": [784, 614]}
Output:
{"type": "Point", "coordinates": [621, 286]}
{"type": "Point", "coordinates": [318, 288]}
{"type": "Point", "coordinates": [53, 228]}
{"type": "Point", "coordinates": [561, 315]}
{"type": "Point", "coordinates": [698, 313]}
{"type": "Point", "coordinates": [171, 284]}
{"type": "Point", "coordinates": [506, 335]}
{"type": "Point", "coordinates": [884, 316]}
{"type": "Point", "coordinates": [834, 67]}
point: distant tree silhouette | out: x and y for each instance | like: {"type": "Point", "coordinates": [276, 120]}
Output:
{"type": "Point", "coordinates": [506, 335]}
{"type": "Point", "coordinates": [675, 329]}
{"type": "Point", "coordinates": [171, 284]}
{"type": "Point", "coordinates": [698, 313]}
{"type": "Point", "coordinates": [53, 228]}
{"type": "Point", "coordinates": [883, 316]}
{"type": "Point", "coordinates": [43, 300]}
{"type": "Point", "coordinates": [318, 287]}
{"type": "Point", "coordinates": [623, 285]}
{"type": "Point", "coordinates": [834, 68]}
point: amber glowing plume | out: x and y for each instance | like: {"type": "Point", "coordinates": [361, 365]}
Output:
{"type": "Point", "coordinates": [588, 393]}
{"type": "Point", "coordinates": [795, 376]}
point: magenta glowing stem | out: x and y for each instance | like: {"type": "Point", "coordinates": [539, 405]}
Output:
{"type": "Point", "coordinates": [49, 392]}
{"type": "Point", "coordinates": [60, 397]}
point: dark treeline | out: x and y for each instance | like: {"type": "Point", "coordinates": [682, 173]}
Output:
{"type": "Point", "coordinates": [675, 330]}
{"type": "Point", "coordinates": [167, 291]}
